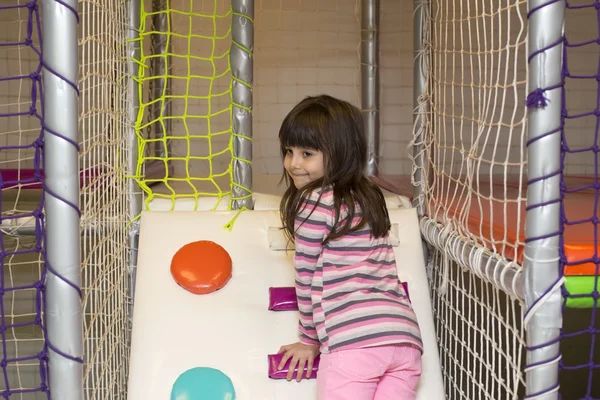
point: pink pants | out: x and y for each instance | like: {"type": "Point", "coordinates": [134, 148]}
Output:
{"type": "Point", "coordinates": [376, 373]}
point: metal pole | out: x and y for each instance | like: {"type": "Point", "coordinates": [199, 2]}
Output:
{"type": "Point", "coordinates": [134, 192]}
{"type": "Point", "coordinates": [541, 264]}
{"type": "Point", "coordinates": [161, 68]}
{"type": "Point", "coordinates": [369, 68]}
{"type": "Point", "coordinates": [420, 105]}
{"type": "Point", "coordinates": [242, 65]}
{"type": "Point", "coordinates": [487, 266]}
{"type": "Point", "coordinates": [63, 315]}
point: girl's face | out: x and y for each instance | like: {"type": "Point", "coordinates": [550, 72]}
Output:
{"type": "Point", "coordinates": [303, 165]}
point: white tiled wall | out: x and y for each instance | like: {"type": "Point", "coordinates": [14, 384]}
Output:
{"type": "Point", "coordinates": [308, 47]}
{"type": "Point", "coordinates": [302, 48]}
{"type": "Point", "coordinates": [396, 58]}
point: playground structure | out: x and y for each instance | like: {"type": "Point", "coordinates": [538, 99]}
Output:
{"type": "Point", "coordinates": [240, 322]}
{"type": "Point", "coordinates": [175, 106]}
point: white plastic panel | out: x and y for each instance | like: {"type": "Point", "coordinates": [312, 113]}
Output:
{"type": "Point", "coordinates": [232, 330]}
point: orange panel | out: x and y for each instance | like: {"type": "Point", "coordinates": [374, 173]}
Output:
{"type": "Point", "coordinates": [501, 224]}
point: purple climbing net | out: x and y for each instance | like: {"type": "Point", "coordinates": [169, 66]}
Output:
{"type": "Point", "coordinates": [580, 360]}
{"type": "Point", "coordinates": [24, 364]}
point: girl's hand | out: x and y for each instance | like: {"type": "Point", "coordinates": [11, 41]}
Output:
{"type": "Point", "coordinates": [301, 355]}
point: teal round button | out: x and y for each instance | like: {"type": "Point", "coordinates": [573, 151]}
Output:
{"type": "Point", "coordinates": [203, 384]}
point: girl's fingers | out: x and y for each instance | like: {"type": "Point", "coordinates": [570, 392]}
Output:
{"type": "Point", "coordinates": [284, 359]}
{"type": "Point", "coordinates": [301, 364]}
{"type": "Point", "coordinates": [309, 368]}
{"type": "Point", "coordinates": [291, 369]}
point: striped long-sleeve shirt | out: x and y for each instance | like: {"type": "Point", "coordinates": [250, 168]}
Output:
{"type": "Point", "coordinates": [349, 294]}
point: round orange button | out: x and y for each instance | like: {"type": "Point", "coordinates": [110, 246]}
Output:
{"type": "Point", "coordinates": [201, 267]}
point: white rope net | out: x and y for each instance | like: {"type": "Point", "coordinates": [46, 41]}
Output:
{"type": "Point", "coordinates": [479, 332]}
{"type": "Point", "coordinates": [103, 126]}
{"type": "Point", "coordinates": [473, 129]}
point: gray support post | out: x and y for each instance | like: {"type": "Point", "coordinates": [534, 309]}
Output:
{"type": "Point", "coordinates": [369, 79]}
{"type": "Point", "coordinates": [161, 66]}
{"type": "Point", "coordinates": [242, 65]}
{"type": "Point", "coordinates": [134, 192]}
{"type": "Point", "coordinates": [420, 104]}
{"type": "Point", "coordinates": [63, 315]}
{"type": "Point", "coordinates": [541, 264]}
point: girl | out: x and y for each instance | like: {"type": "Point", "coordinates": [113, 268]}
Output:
{"type": "Point", "coordinates": [353, 309]}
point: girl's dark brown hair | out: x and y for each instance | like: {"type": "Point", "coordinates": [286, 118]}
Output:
{"type": "Point", "coordinates": [336, 128]}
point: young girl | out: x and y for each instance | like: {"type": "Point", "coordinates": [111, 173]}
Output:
{"type": "Point", "coordinates": [353, 309]}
